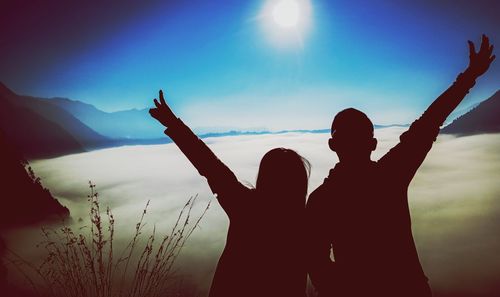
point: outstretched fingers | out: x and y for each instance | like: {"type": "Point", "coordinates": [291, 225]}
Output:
{"type": "Point", "coordinates": [162, 104]}
{"type": "Point", "coordinates": [156, 103]}
{"type": "Point", "coordinates": [480, 61]}
{"type": "Point", "coordinates": [486, 50]}
{"type": "Point", "coordinates": [162, 99]}
{"type": "Point", "coordinates": [153, 112]}
{"type": "Point", "coordinates": [485, 43]}
{"type": "Point", "coordinates": [472, 48]}
{"type": "Point", "coordinates": [490, 54]}
{"type": "Point", "coordinates": [486, 47]}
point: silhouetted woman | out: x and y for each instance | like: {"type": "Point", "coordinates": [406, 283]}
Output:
{"type": "Point", "coordinates": [264, 251]}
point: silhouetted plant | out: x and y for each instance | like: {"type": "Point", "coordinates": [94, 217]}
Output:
{"type": "Point", "coordinates": [36, 180]}
{"type": "Point", "coordinates": [81, 265]}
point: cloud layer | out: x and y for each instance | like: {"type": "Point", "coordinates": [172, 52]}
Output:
{"type": "Point", "coordinates": [454, 198]}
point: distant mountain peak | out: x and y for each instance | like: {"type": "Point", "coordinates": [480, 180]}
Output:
{"type": "Point", "coordinates": [5, 91]}
{"type": "Point", "coordinates": [47, 130]}
{"type": "Point", "coordinates": [483, 118]}
{"type": "Point", "coordinates": [64, 99]}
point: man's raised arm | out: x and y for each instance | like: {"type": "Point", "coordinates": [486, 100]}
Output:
{"type": "Point", "coordinates": [479, 63]}
{"type": "Point", "coordinates": [416, 142]}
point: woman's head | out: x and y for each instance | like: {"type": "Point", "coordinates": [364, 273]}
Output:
{"type": "Point", "coordinates": [283, 174]}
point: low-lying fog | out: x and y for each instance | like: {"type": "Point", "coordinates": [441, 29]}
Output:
{"type": "Point", "coordinates": [454, 198]}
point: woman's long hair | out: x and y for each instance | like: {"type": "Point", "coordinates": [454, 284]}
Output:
{"type": "Point", "coordinates": [283, 178]}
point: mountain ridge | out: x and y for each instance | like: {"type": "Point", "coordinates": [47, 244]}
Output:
{"type": "Point", "coordinates": [124, 124]}
{"type": "Point", "coordinates": [58, 125]}
{"type": "Point", "coordinates": [32, 134]}
{"type": "Point", "coordinates": [92, 116]}
{"type": "Point", "coordinates": [483, 118]}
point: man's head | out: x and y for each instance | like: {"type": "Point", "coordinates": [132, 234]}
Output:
{"type": "Point", "coordinates": [352, 136]}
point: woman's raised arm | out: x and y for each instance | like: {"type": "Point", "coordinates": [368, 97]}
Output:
{"type": "Point", "coordinates": [221, 179]}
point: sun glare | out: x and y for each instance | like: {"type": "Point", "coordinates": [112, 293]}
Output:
{"type": "Point", "coordinates": [286, 22]}
{"type": "Point", "coordinates": [286, 13]}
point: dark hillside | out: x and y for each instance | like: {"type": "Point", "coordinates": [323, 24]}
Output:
{"type": "Point", "coordinates": [23, 198]}
{"type": "Point", "coordinates": [484, 118]}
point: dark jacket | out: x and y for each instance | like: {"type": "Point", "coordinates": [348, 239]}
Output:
{"type": "Point", "coordinates": [264, 254]}
{"type": "Point", "coordinates": [361, 216]}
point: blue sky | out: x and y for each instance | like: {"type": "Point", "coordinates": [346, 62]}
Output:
{"type": "Point", "coordinates": [221, 68]}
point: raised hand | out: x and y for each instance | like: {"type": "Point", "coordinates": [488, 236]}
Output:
{"type": "Point", "coordinates": [480, 62]}
{"type": "Point", "coordinates": [162, 112]}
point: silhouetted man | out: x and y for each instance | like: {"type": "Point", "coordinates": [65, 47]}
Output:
{"type": "Point", "coordinates": [360, 213]}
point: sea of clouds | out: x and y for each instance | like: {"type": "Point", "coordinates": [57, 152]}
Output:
{"type": "Point", "coordinates": [454, 199]}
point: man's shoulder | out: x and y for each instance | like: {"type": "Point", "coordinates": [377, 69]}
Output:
{"type": "Point", "coordinates": [319, 194]}
{"type": "Point", "coordinates": [319, 191]}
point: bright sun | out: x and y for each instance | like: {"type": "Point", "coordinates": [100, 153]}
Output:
{"type": "Point", "coordinates": [286, 13]}
{"type": "Point", "coordinates": [286, 22]}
